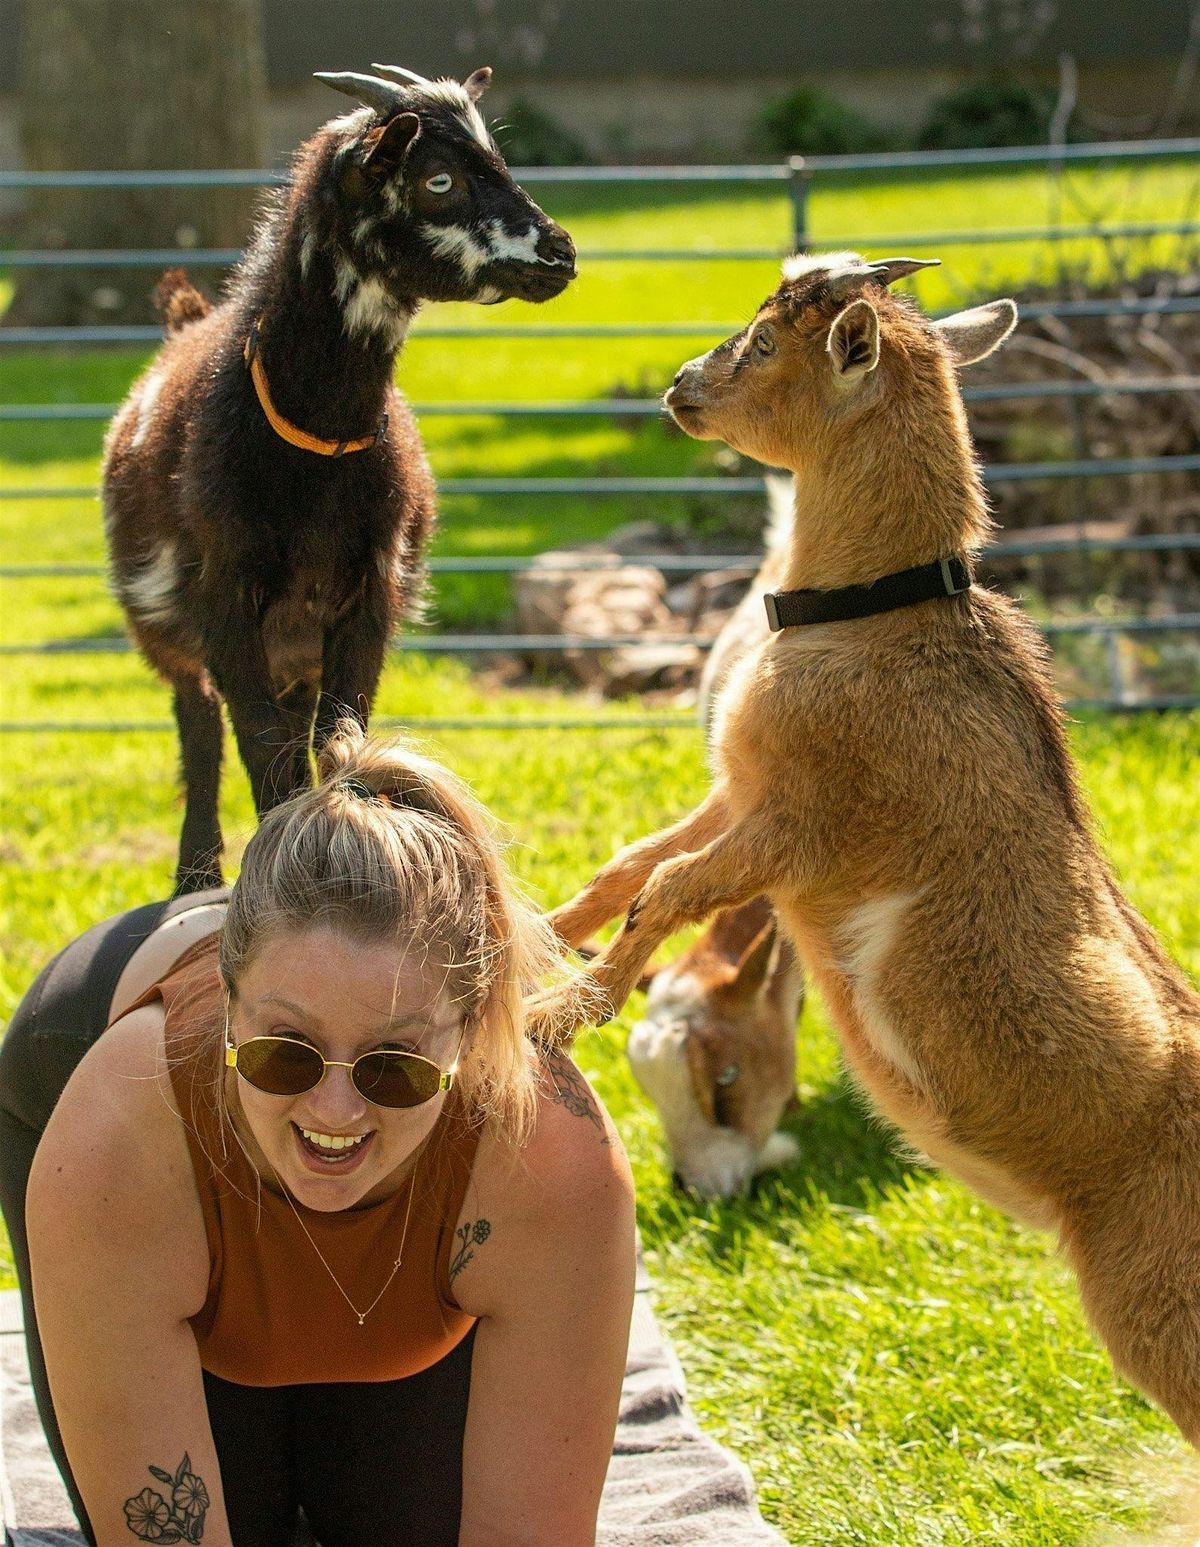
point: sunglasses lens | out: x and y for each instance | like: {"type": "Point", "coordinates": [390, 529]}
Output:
{"type": "Point", "coordinates": [279, 1066]}
{"type": "Point", "coordinates": [396, 1079]}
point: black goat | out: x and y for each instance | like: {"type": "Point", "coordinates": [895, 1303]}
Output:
{"type": "Point", "coordinates": [266, 494]}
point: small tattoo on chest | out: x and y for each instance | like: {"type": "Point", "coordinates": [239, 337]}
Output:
{"type": "Point", "coordinates": [179, 1517]}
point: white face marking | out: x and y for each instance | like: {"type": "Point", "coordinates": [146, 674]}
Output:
{"type": "Point", "coordinates": [863, 942]}
{"type": "Point", "coordinates": [149, 594]}
{"type": "Point", "coordinates": [145, 412]}
{"type": "Point", "coordinates": [459, 245]}
{"type": "Point", "coordinates": [503, 244]}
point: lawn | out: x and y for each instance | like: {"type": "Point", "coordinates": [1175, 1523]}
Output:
{"type": "Point", "coordinates": [900, 1365]}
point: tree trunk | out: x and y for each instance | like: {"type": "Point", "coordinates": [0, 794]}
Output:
{"type": "Point", "coordinates": [128, 85]}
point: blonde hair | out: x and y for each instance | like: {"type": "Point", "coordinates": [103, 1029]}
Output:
{"type": "Point", "coordinates": [392, 847]}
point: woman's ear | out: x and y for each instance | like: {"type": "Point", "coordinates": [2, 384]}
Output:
{"type": "Point", "coordinates": [853, 342]}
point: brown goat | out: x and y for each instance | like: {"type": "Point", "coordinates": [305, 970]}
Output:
{"type": "Point", "coordinates": [899, 785]}
{"type": "Point", "coordinates": [715, 1049]}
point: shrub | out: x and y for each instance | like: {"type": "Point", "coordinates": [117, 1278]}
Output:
{"type": "Point", "coordinates": [997, 110]}
{"type": "Point", "coordinates": [809, 122]}
{"type": "Point", "coordinates": [531, 138]}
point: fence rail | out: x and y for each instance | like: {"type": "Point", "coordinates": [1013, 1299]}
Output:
{"type": "Point", "coordinates": [797, 179]}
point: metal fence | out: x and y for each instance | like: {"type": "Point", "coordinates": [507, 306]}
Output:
{"type": "Point", "coordinates": [800, 176]}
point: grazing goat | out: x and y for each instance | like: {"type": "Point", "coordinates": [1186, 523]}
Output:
{"type": "Point", "coordinates": [893, 773]}
{"type": "Point", "coordinates": [266, 494]}
{"type": "Point", "coordinates": [716, 1050]}
{"type": "Point", "coordinates": [716, 1047]}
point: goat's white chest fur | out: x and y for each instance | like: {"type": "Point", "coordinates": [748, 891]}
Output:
{"type": "Point", "coordinates": [862, 944]}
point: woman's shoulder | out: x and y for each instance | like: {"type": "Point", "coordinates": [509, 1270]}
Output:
{"type": "Point", "coordinates": [558, 1202]}
{"type": "Point", "coordinates": [113, 1167]}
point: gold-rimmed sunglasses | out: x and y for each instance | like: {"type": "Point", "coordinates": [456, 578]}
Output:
{"type": "Point", "coordinates": [387, 1077]}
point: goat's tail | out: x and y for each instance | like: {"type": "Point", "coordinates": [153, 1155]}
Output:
{"type": "Point", "coordinates": [178, 302]}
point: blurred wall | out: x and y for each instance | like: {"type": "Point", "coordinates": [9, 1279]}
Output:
{"type": "Point", "coordinates": [672, 80]}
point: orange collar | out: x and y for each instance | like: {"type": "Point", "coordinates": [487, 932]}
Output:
{"type": "Point", "coordinates": [290, 432]}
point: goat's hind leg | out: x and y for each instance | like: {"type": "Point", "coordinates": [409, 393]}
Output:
{"type": "Point", "coordinates": [1140, 1283]}
{"type": "Point", "coordinates": [682, 890]}
{"type": "Point", "coordinates": [198, 715]}
{"type": "Point", "coordinates": [614, 886]}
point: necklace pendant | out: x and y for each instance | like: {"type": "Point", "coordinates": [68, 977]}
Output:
{"type": "Point", "coordinates": [361, 1319]}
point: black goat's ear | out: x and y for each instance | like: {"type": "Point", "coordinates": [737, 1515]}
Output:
{"type": "Point", "coordinates": [387, 146]}
{"type": "Point", "coordinates": [476, 84]}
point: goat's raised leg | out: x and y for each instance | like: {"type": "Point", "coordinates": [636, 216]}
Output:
{"type": "Point", "coordinates": [683, 890]}
{"type": "Point", "coordinates": [612, 888]}
{"type": "Point", "coordinates": [198, 715]}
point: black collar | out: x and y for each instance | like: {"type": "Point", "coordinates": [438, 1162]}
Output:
{"type": "Point", "coordinates": [944, 577]}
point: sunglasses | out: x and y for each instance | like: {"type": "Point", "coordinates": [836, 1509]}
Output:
{"type": "Point", "coordinates": [283, 1066]}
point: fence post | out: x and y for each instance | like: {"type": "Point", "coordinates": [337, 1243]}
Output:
{"type": "Point", "coordinates": [1116, 676]}
{"type": "Point", "coordinates": [799, 178]}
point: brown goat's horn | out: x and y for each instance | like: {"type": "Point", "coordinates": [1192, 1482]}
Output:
{"type": "Point", "coordinates": [381, 95]}
{"type": "Point", "coordinates": [885, 272]}
{"type": "Point", "coordinates": [888, 270]}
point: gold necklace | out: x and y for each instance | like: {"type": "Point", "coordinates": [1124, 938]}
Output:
{"type": "Point", "coordinates": [362, 1315]}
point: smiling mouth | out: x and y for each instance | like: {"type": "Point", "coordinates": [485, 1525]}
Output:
{"type": "Point", "coordinates": [325, 1158]}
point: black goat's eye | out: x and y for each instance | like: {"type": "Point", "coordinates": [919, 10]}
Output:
{"type": "Point", "coordinates": [764, 341]}
{"type": "Point", "coordinates": [441, 182]}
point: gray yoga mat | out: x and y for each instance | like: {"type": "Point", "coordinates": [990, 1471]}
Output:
{"type": "Point", "coordinates": [667, 1482]}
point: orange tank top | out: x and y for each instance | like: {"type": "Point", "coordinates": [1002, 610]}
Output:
{"type": "Point", "coordinates": [272, 1315]}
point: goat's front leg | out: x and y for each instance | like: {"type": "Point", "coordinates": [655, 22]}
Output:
{"type": "Point", "coordinates": [612, 888]}
{"type": "Point", "coordinates": [198, 715]}
{"type": "Point", "coordinates": [352, 662]}
{"type": "Point", "coordinates": [727, 872]}
{"type": "Point", "coordinates": [265, 733]}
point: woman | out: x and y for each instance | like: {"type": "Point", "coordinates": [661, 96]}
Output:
{"type": "Point", "coordinates": [310, 1228]}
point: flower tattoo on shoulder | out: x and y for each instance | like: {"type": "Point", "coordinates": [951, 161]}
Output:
{"type": "Point", "coordinates": [177, 1518]}
{"type": "Point", "coordinates": [472, 1234]}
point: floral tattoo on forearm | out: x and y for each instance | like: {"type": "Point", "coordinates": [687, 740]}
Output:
{"type": "Point", "coordinates": [177, 1518]}
{"type": "Point", "coordinates": [472, 1234]}
{"type": "Point", "coordinates": [569, 1089]}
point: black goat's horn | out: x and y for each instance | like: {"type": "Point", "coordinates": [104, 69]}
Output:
{"type": "Point", "coordinates": [398, 73]}
{"type": "Point", "coordinates": [888, 270]}
{"type": "Point", "coordinates": [381, 95]}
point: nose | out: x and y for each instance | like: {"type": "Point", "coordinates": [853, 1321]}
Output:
{"type": "Point", "coordinates": [679, 375]}
{"type": "Point", "coordinates": [336, 1100]}
{"type": "Point", "coordinates": [556, 247]}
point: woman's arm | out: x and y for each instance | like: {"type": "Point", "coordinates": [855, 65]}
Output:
{"type": "Point", "coordinates": [553, 1284]}
{"type": "Point", "coordinates": [119, 1261]}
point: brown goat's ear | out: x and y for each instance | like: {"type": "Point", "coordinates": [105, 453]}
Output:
{"type": "Point", "coordinates": [754, 965]}
{"type": "Point", "coordinates": [853, 341]}
{"type": "Point", "coordinates": [387, 146]}
{"type": "Point", "coordinates": [974, 334]}
{"type": "Point", "coordinates": [475, 85]}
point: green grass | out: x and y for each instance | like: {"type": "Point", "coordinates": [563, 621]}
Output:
{"type": "Point", "coordinates": [900, 1366]}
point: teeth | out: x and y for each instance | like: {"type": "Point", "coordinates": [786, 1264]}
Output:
{"type": "Point", "coordinates": [332, 1141]}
